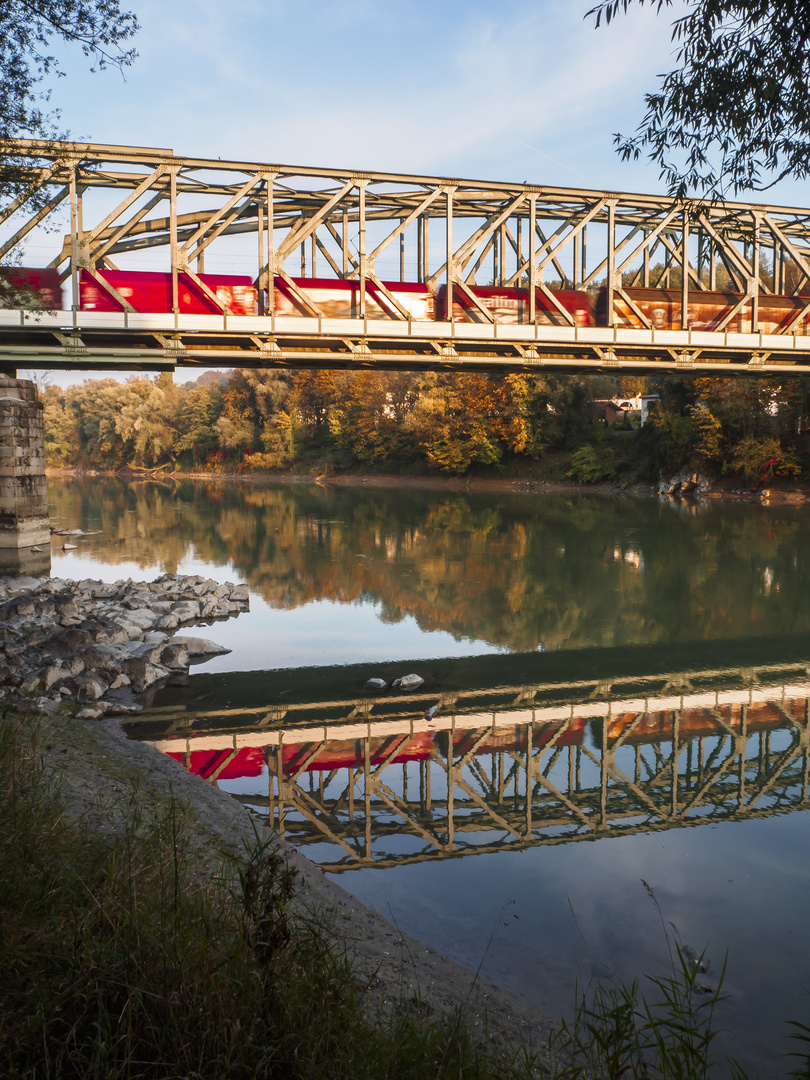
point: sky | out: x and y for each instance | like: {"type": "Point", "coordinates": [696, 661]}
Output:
{"type": "Point", "coordinates": [522, 90]}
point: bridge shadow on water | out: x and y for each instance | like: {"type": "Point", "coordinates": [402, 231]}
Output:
{"type": "Point", "coordinates": [500, 752]}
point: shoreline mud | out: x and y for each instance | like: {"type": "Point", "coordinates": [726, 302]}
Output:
{"type": "Point", "coordinates": [779, 492]}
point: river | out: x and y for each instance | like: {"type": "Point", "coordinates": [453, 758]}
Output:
{"type": "Point", "coordinates": [617, 753]}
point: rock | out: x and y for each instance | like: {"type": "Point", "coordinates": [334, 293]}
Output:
{"type": "Point", "coordinates": [53, 674]}
{"type": "Point", "coordinates": [431, 712]}
{"type": "Point", "coordinates": [68, 643]}
{"type": "Point", "coordinates": [90, 639]}
{"type": "Point", "coordinates": [199, 646]}
{"type": "Point", "coordinates": [91, 687]}
{"type": "Point", "coordinates": [90, 714]}
{"type": "Point", "coordinates": [143, 673]}
{"type": "Point", "coordinates": [175, 657]}
{"type": "Point", "coordinates": [68, 547]}
{"type": "Point", "coordinates": [46, 705]}
{"type": "Point", "coordinates": [376, 684]}
{"type": "Point", "coordinates": [408, 683]}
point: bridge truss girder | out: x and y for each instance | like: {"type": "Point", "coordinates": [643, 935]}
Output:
{"type": "Point", "coordinates": [514, 761]}
{"type": "Point", "coordinates": [536, 797]}
{"type": "Point", "coordinates": [120, 201]}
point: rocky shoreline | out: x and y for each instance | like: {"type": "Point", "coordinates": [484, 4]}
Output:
{"type": "Point", "coordinates": [99, 644]}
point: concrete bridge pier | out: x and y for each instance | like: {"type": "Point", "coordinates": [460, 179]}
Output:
{"type": "Point", "coordinates": [25, 532]}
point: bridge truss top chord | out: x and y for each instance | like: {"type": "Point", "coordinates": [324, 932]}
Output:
{"type": "Point", "coordinates": [118, 205]}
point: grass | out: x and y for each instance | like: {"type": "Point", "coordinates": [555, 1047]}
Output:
{"type": "Point", "coordinates": [123, 955]}
{"type": "Point", "coordinates": [667, 1033]}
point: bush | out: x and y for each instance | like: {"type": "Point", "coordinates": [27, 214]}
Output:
{"type": "Point", "coordinates": [589, 465]}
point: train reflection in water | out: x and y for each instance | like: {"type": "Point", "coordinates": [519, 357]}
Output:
{"type": "Point", "coordinates": [371, 782]}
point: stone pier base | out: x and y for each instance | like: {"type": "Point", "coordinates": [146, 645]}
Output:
{"type": "Point", "coordinates": [24, 522]}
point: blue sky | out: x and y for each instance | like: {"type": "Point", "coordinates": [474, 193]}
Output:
{"type": "Point", "coordinates": [519, 91]}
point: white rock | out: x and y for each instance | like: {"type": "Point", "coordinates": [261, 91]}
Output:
{"type": "Point", "coordinates": [408, 683]}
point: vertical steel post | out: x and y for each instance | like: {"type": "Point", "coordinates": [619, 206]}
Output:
{"type": "Point", "coordinates": [260, 276]}
{"type": "Point", "coordinates": [575, 268]}
{"type": "Point", "coordinates": [74, 243]}
{"type": "Point", "coordinates": [314, 255]}
{"type": "Point", "coordinates": [345, 243]}
{"type": "Point", "coordinates": [685, 272]}
{"type": "Point", "coordinates": [532, 266]}
{"type": "Point", "coordinates": [450, 270]}
{"type": "Point", "coordinates": [755, 276]}
{"type": "Point", "coordinates": [519, 245]}
{"type": "Point", "coordinates": [646, 278]}
{"type": "Point", "coordinates": [611, 259]}
{"type": "Point", "coordinates": [584, 261]}
{"type": "Point", "coordinates": [271, 249]}
{"type": "Point", "coordinates": [173, 242]}
{"type": "Point", "coordinates": [401, 253]}
{"type": "Point", "coordinates": [712, 266]}
{"type": "Point", "coordinates": [361, 241]}
{"type": "Point", "coordinates": [420, 229]}
{"type": "Point", "coordinates": [426, 249]}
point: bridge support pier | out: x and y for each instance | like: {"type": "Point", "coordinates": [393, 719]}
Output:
{"type": "Point", "coordinates": [25, 532]}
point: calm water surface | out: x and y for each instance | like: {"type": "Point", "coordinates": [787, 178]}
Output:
{"type": "Point", "coordinates": [622, 691]}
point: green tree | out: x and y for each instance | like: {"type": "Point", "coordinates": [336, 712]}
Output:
{"type": "Point", "coordinates": [31, 33]}
{"type": "Point", "coordinates": [734, 114]}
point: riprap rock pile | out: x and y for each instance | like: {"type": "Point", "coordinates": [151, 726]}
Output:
{"type": "Point", "coordinates": [101, 643]}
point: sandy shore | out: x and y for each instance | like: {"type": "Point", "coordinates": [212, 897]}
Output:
{"type": "Point", "coordinates": [99, 765]}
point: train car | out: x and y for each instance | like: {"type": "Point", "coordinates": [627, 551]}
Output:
{"type": "Point", "coordinates": [656, 727]}
{"type": "Point", "coordinates": [222, 764]}
{"type": "Point", "coordinates": [350, 753]}
{"type": "Point", "coordinates": [512, 305]}
{"type": "Point", "coordinates": [150, 291]}
{"type": "Point", "coordinates": [705, 311]}
{"type": "Point", "coordinates": [511, 738]}
{"type": "Point", "coordinates": [339, 298]}
{"type": "Point", "coordinates": [37, 288]}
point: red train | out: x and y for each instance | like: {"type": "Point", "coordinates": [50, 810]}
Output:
{"type": "Point", "coordinates": [335, 298]}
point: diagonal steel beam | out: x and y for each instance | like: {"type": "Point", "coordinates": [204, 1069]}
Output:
{"type": "Point", "coordinates": [149, 181]}
{"type": "Point", "coordinates": [309, 224]}
{"type": "Point", "coordinates": [42, 213]}
{"type": "Point", "coordinates": [38, 182]}
{"type": "Point", "coordinates": [222, 213]}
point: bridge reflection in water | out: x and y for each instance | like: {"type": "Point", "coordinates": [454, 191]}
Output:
{"type": "Point", "coordinates": [372, 782]}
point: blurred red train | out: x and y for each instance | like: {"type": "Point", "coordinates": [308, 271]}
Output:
{"type": "Point", "coordinates": [335, 298]}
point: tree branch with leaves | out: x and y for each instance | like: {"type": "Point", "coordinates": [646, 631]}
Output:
{"type": "Point", "coordinates": [734, 114]}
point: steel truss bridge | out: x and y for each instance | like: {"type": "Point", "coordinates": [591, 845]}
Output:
{"type": "Point", "coordinates": [510, 767]}
{"type": "Point", "coordinates": [101, 207]}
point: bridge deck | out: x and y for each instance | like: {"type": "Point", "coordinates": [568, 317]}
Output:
{"type": "Point", "coordinates": [86, 340]}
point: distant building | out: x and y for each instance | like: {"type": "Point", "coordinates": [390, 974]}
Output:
{"type": "Point", "coordinates": [634, 409]}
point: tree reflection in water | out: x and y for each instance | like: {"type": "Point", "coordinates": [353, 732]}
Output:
{"type": "Point", "coordinates": [517, 571]}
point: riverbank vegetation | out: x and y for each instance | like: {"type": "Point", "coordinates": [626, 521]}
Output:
{"type": "Point", "coordinates": [542, 427]}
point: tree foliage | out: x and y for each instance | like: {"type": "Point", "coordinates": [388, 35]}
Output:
{"type": "Point", "coordinates": [450, 423]}
{"type": "Point", "coordinates": [734, 114]}
{"type": "Point", "coordinates": [28, 31]}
